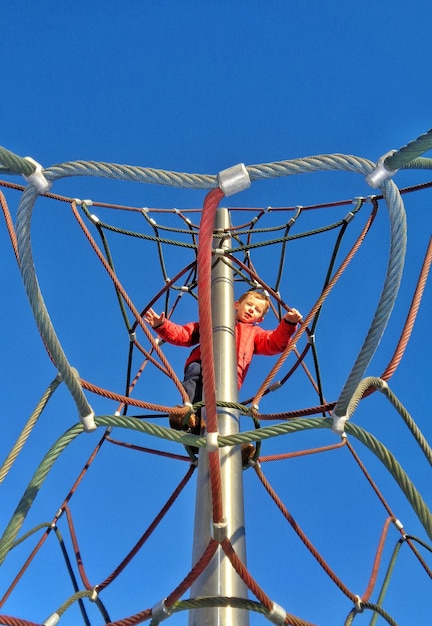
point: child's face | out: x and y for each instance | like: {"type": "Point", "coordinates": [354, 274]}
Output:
{"type": "Point", "coordinates": [251, 309]}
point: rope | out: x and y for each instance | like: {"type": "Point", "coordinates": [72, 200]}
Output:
{"type": "Point", "coordinates": [377, 383]}
{"type": "Point", "coordinates": [412, 314]}
{"type": "Point", "coordinates": [204, 261]}
{"type": "Point", "coordinates": [198, 277]}
{"type": "Point", "coordinates": [38, 305]}
{"type": "Point", "coordinates": [20, 442]}
{"type": "Point", "coordinates": [413, 149]}
{"type": "Point", "coordinates": [388, 295]}
{"type": "Point", "coordinates": [12, 163]}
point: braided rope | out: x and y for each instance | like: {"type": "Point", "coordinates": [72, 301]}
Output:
{"type": "Point", "coordinates": [14, 163]}
{"type": "Point", "coordinates": [25, 433]}
{"type": "Point", "coordinates": [282, 168]}
{"type": "Point", "coordinates": [413, 149]}
{"type": "Point", "coordinates": [388, 295]}
{"type": "Point", "coordinates": [382, 453]}
{"type": "Point", "coordinates": [348, 398]}
{"type": "Point", "coordinates": [37, 303]}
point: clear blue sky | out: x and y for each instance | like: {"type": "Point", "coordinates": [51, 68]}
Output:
{"type": "Point", "coordinates": [197, 87]}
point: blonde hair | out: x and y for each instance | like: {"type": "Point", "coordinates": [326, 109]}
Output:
{"type": "Point", "coordinates": [259, 295]}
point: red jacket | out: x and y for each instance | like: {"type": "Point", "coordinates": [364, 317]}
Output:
{"type": "Point", "coordinates": [250, 340]}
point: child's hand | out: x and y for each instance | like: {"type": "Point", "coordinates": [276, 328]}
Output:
{"type": "Point", "coordinates": [293, 316]}
{"type": "Point", "coordinates": [154, 319]}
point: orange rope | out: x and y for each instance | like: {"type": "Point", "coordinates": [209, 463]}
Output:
{"type": "Point", "coordinates": [374, 575]}
{"type": "Point", "coordinates": [412, 314]}
{"type": "Point", "coordinates": [128, 301]}
{"type": "Point", "coordinates": [9, 225]}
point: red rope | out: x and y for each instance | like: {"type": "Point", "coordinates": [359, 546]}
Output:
{"type": "Point", "coordinates": [204, 260]}
{"type": "Point", "coordinates": [196, 570]}
{"type": "Point", "coordinates": [7, 620]}
{"type": "Point", "coordinates": [302, 536]}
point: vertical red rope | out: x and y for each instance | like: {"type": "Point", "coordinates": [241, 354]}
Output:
{"type": "Point", "coordinates": [204, 259]}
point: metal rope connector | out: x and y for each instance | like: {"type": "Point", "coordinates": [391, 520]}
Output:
{"type": "Point", "coordinates": [52, 620]}
{"type": "Point", "coordinates": [219, 530]}
{"type": "Point", "coordinates": [234, 179]}
{"type": "Point", "coordinates": [88, 422]}
{"type": "Point", "coordinates": [37, 179]}
{"type": "Point", "coordinates": [277, 615]}
{"type": "Point", "coordinates": [160, 612]}
{"type": "Point", "coordinates": [339, 423]}
{"type": "Point", "coordinates": [381, 172]}
{"type": "Point", "coordinates": [358, 604]}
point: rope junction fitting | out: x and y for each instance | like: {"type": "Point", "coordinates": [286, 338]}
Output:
{"type": "Point", "coordinates": [37, 179]}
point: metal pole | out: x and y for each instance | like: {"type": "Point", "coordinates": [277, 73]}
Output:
{"type": "Point", "coordinates": [220, 578]}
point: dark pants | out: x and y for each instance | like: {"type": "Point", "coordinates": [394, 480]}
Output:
{"type": "Point", "coordinates": [192, 381]}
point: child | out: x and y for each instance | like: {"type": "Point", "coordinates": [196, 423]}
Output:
{"type": "Point", "coordinates": [250, 339]}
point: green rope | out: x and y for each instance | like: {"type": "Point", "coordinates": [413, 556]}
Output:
{"type": "Point", "coordinates": [33, 488]}
{"type": "Point", "coordinates": [373, 607]}
{"type": "Point", "coordinates": [382, 386]}
{"type": "Point", "coordinates": [225, 601]}
{"type": "Point", "coordinates": [386, 580]}
{"type": "Point", "coordinates": [15, 164]}
{"type": "Point", "coordinates": [380, 451]}
{"type": "Point", "coordinates": [406, 154]}
{"type": "Point", "coordinates": [25, 433]}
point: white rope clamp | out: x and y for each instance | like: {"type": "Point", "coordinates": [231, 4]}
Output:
{"type": "Point", "coordinates": [400, 527]}
{"type": "Point", "coordinates": [37, 179]}
{"type": "Point", "coordinates": [234, 179]}
{"type": "Point", "coordinates": [212, 442]}
{"type": "Point", "coordinates": [219, 530]}
{"type": "Point", "coordinates": [160, 612]}
{"type": "Point", "coordinates": [52, 620]}
{"type": "Point", "coordinates": [383, 386]}
{"type": "Point", "coordinates": [381, 172]}
{"type": "Point", "coordinates": [277, 615]}
{"type": "Point", "coordinates": [88, 422]}
{"type": "Point", "coordinates": [339, 423]}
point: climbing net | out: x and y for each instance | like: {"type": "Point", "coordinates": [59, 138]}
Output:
{"type": "Point", "coordinates": [162, 258]}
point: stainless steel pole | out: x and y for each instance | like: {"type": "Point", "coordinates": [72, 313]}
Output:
{"type": "Point", "coordinates": [220, 578]}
